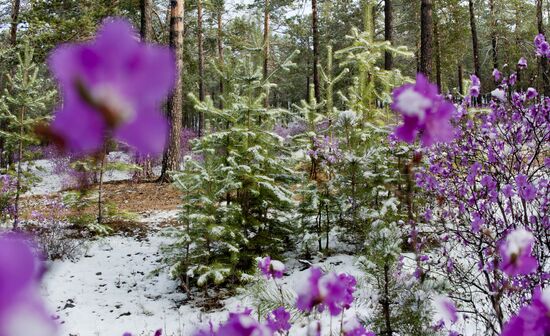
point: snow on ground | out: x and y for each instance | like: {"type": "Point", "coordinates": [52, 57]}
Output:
{"type": "Point", "coordinates": [50, 182]}
{"type": "Point", "coordinates": [119, 284]}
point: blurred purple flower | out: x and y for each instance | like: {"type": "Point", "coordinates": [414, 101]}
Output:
{"type": "Point", "coordinates": [279, 320]}
{"type": "Point", "coordinates": [531, 320]}
{"type": "Point", "coordinates": [242, 324]}
{"type": "Point", "coordinates": [526, 190]}
{"type": "Point", "coordinates": [447, 309]}
{"type": "Point", "coordinates": [515, 252]}
{"type": "Point", "coordinates": [496, 75]}
{"type": "Point", "coordinates": [112, 86]}
{"type": "Point", "coordinates": [531, 93]}
{"type": "Point", "coordinates": [353, 327]}
{"type": "Point", "coordinates": [330, 291]}
{"type": "Point", "coordinates": [424, 111]}
{"type": "Point", "coordinates": [522, 63]}
{"type": "Point", "coordinates": [475, 87]}
{"type": "Point", "coordinates": [271, 268]}
{"type": "Point", "coordinates": [21, 309]}
{"type": "Point", "coordinates": [542, 48]}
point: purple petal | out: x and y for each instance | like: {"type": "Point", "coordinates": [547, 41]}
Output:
{"type": "Point", "coordinates": [147, 133]}
{"type": "Point", "coordinates": [81, 127]}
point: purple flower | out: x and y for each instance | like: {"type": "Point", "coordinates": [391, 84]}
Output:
{"type": "Point", "coordinates": [309, 295]}
{"type": "Point", "coordinates": [353, 327]}
{"type": "Point", "coordinates": [542, 48]}
{"type": "Point", "coordinates": [17, 269]}
{"type": "Point", "coordinates": [331, 291]}
{"type": "Point", "coordinates": [242, 324]}
{"type": "Point", "coordinates": [526, 190]}
{"type": "Point", "coordinates": [475, 87]}
{"type": "Point", "coordinates": [424, 111]}
{"type": "Point", "coordinates": [496, 75]}
{"type": "Point", "coordinates": [278, 320]}
{"type": "Point", "coordinates": [522, 63]}
{"type": "Point", "coordinates": [531, 320]}
{"type": "Point", "coordinates": [349, 283]}
{"type": "Point", "coordinates": [271, 268]}
{"type": "Point", "coordinates": [112, 86]}
{"type": "Point", "coordinates": [516, 253]}
{"type": "Point", "coordinates": [21, 309]}
{"type": "Point", "coordinates": [447, 309]}
{"type": "Point", "coordinates": [500, 94]}
{"type": "Point", "coordinates": [531, 93]}
{"type": "Point", "coordinates": [477, 222]}
{"type": "Point", "coordinates": [513, 79]}
{"type": "Point", "coordinates": [508, 190]}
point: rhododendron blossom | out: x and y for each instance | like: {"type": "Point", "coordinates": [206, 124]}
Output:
{"type": "Point", "coordinates": [500, 94]}
{"type": "Point", "coordinates": [475, 87]}
{"type": "Point", "coordinates": [447, 309]}
{"type": "Point", "coordinates": [516, 253]}
{"type": "Point", "coordinates": [21, 309]}
{"type": "Point", "coordinates": [522, 63]}
{"type": "Point", "coordinates": [531, 93]}
{"type": "Point", "coordinates": [532, 320]}
{"type": "Point", "coordinates": [542, 48]}
{"type": "Point", "coordinates": [279, 320]}
{"type": "Point", "coordinates": [424, 111]}
{"type": "Point", "coordinates": [112, 87]}
{"type": "Point", "coordinates": [352, 327]}
{"type": "Point", "coordinates": [496, 75]}
{"type": "Point", "coordinates": [271, 268]}
{"type": "Point", "coordinates": [330, 291]}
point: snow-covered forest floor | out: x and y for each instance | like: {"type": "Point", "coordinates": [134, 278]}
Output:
{"type": "Point", "coordinates": [118, 282]}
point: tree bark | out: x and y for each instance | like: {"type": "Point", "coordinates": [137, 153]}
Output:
{"type": "Point", "coordinates": [146, 34]}
{"type": "Point", "coordinates": [220, 51]}
{"type": "Point", "coordinates": [543, 60]}
{"type": "Point", "coordinates": [460, 76]}
{"type": "Point", "coordinates": [22, 112]}
{"type": "Point", "coordinates": [171, 157]}
{"type": "Point", "coordinates": [200, 40]}
{"type": "Point", "coordinates": [386, 301]}
{"type": "Point", "coordinates": [16, 8]}
{"type": "Point", "coordinates": [14, 21]}
{"type": "Point", "coordinates": [146, 31]}
{"type": "Point", "coordinates": [388, 32]}
{"type": "Point", "coordinates": [437, 55]}
{"type": "Point", "coordinates": [266, 47]}
{"type": "Point", "coordinates": [494, 45]}
{"type": "Point", "coordinates": [100, 186]}
{"type": "Point", "coordinates": [315, 31]}
{"type": "Point", "coordinates": [475, 44]}
{"type": "Point", "coordinates": [426, 38]}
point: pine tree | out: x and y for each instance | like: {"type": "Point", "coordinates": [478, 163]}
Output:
{"type": "Point", "coordinates": [237, 197]}
{"type": "Point", "coordinates": [171, 158]}
{"type": "Point", "coordinates": [22, 108]}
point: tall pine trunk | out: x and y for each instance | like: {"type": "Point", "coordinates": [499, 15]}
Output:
{"type": "Point", "coordinates": [200, 41]}
{"type": "Point", "coordinates": [220, 51]}
{"type": "Point", "coordinates": [494, 45]}
{"type": "Point", "coordinates": [16, 8]}
{"type": "Point", "coordinates": [146, 34]}
{"type": "Point", "coordinates": [18, 187]}
{"type": "Point", "coordinates": [437, 54]}
{"type": "Point", "coordinates": [388, 32]}
{"type": "Point", "coordinates": [171, 158]}
{"type": "Point", "coordinates": [266, 47]}
{"type": "Point", "coordinates": [543, 60]}
{"type": "Point", "coordinates": [315, 32]}
{"type": "Point", "coordinates": [14, 21]}
{"type": "Point", "coordinates": [475, 45]}
{"type": "Point", "coordinates": [426, 38]}
{"type": "Point", "coordinates": [460, 77]}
